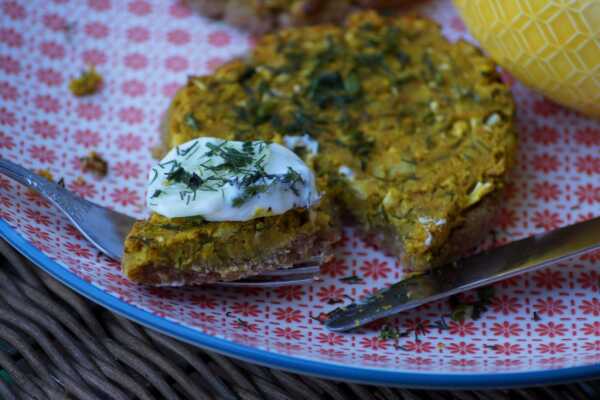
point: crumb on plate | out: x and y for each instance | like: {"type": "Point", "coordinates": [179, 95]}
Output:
{"type": "Point", "coordinates": [87, 83]}
{"type": "Point", "coordinates": [94, 163]}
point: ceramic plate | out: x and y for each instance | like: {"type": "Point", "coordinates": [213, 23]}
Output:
{"type": "Point", "coordinates": [538, 328]}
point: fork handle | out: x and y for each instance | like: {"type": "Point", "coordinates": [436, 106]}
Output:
{"type": "Point", "coordinates": [24, 176]}
{"type": "Point", "coordinates": [104, 228]}
{"type": "Point", "coordinates": [55, 193]}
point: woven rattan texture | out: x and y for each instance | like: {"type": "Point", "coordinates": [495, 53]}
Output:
{"type": "Point", "coordinates": [55, 344]}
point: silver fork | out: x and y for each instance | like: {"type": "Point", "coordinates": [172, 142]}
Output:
{"type": "Point", "coordinates": [107, 229]}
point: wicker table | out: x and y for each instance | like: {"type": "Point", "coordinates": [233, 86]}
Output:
{"type": "Point", "coordinates": [55, 344]}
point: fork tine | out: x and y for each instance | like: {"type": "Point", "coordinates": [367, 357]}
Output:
{"type": "Point", "coordinates": [308, 269]}
{"type": "Point", "coordinates": [267, 284]}
{"type": "Point", "coordinates": [301, 274]}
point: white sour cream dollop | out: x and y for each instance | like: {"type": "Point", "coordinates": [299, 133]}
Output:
{"type": "Point", "coordinates": [310, 144]}
{"type": "Point", "coordinates": [230, 181]}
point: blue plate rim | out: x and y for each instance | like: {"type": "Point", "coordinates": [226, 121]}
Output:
{"type": "Point", "coordinates": [286, 362]}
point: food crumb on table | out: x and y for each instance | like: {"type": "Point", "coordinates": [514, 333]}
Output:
{"type": "Point", "coordinates": [94, 163]}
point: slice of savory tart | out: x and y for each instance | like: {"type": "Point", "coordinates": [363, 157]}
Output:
{"type": "Point", "coordinates": [225, 210]}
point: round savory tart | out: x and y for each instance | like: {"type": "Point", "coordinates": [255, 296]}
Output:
{"type": "Point", "coordinates": [261, 16]}
{"type": "Point", "coordinates": [409, 135]}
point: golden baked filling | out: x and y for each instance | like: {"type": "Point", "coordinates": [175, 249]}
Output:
{"type": "Point", "coordinates": [178, 251]}
{"type": "Point", "coordinates": [412, 136]}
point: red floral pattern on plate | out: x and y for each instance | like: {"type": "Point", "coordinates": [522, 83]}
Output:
{"type": "Point", "coordinates": [544, 320]}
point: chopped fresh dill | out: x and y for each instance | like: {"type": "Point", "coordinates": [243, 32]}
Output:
{"type": "Point", "coordinates": [389, 332]}
{"type": "Point", "coordinates": [191, 121]}
{"type": "Point", "coordinates": [233, 159]}
{"type": "Point", "coordinates": [155, 176]}
{"type": "Point", "coordinates": [180, 175]}
{"type": "Point", "coordinates": [248, 148]}
{"type": "Point", "coordinates": [292, 177]}
{"type": "Point", "coordinates": [432, 74]}
{"type": "Point", "coordinates": [329, 88]}
{"type": "Point", "coordinates": [246, 74]}
{"type": "Point", "coordinates": [185, 152]}
{"type": "Point", "coordinates": [252, 189]}
{"type": "Point", "coordinates": [173, 163]}
{"type": "Point", "coordinates": [352, 84]}
{"type": "Point", "coordinates": [359, 144]}
{"type": "Point", "coordinates": [227, 164]}
{"type": "Point", "coordinates": [249, 192]}
{"type": "Point", "coordinates": [352, 279]}
{"type": "Point", "coordinates": [461, 311]}
{"type": "Point", "coordinates": [194, 182]}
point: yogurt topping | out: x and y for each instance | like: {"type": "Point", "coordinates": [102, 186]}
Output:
{"type": "Point", "coordinates": [305, 141]}
{"type": "Point", "coordinates": [230, 181]}
{"type": "Point", "coordinates": [346, 171]}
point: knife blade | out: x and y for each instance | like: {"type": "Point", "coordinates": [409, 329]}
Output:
{"type": "Point", "coordinates": [482, 269]}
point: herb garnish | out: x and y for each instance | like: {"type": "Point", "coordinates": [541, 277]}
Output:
{"type": "Point", "coordinates": [242, 167]}
{"type": "Point", "coordinates": [233, 159]}
{"type": "Point", "coordinates": [191, 180]}
{"type": "Point", "coordinates": [246, 74]}
{"type": "Point", "coordinates": [391, 332]}
{"type": "Point", "coordinates": [187, 152]}
{"type": "Point", "coordinates": [258, 108]}
{"type": "Point", "coordinates": [301, 123]}
{"type": "Point", "coordinates": [431, 73]}
{"type": "Point", "coordinates": [330, 88]}
{"type": "Point", "coordinates": [461, 311]}
{"type": "Point", "coordinates": [249, 192]}
{"type": "Point", "coordinates": [290, 179]}
{"type": "Point", "coordinates": [360, 145]}
{"type": "Point", "coordinates": [352, 279]}
{"type": "Point", "coordinates": [191, 121]}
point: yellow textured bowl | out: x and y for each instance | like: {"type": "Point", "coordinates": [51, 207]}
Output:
{"type": "Point", "coordinates": [551, 45]}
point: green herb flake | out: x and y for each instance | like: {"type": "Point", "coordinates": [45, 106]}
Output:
{"type": "Point", "coordinates": [461, 311]}
{"type": "Point", "coordinates": [191, 121]}
{"type": "Point", "coordinates": [249, 192]}
{"type": "Point", "coordinates": [352, 279]}
{"type": "Point", "coordinates": [246, 74]}
{"type": "Point", "coordinates": [352, 84]}
{"type": "Point", "coordinates": [291, 178]}
{"type": "Point", "coordinates": [389, 332]}
{"type": "Point", "coordinates": [361, 146]}
{"type": "Point", "coordinates": [233, 159]}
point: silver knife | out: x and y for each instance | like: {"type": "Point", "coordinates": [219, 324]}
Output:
{"type": "Point", "coordinates": [482, 269]}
